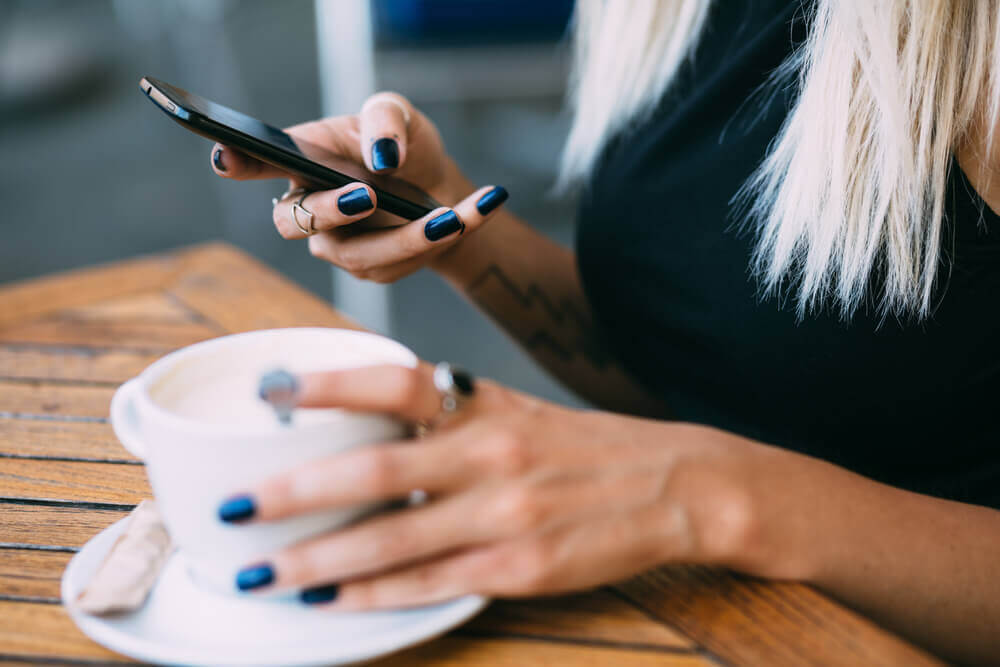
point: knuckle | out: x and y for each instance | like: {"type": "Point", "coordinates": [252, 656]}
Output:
{"type": "Point", "coordinates": [351, 259]}
{"type": "Point", "coordinates": [519, 510]}
{"type": "Point", "coordinates": [510, 451]}
{"type": "Point", "coordinates": [379, 470]}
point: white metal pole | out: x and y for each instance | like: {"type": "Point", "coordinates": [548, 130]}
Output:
{"type": "Point", "coordinates": [346, 50]}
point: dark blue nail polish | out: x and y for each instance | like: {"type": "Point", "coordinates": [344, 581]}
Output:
{"type": "Point", "coordinates": [320, 594]}
{"type": "Point", "coordinates": [217, 159]}
{"type": "Point", "coordinates": [254, 577]}
{"type": "Point", "coordinates": [237, 508]}
{"type": "Point", "coordinates": [443, 225]}
{"type": "Point", "coordinates": [354, 202]}
{"type": "Point", "coordinates": [491, 200]}
{"type": "Point", "coordinates": [385, 154]}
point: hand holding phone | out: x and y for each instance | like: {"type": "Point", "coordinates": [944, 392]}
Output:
{"type": "Point", "coordinates": [376, 166]}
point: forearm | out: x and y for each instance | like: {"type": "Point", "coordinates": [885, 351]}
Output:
{"type": "Point", "coordinates": [924, 567]}
{"type": "Point", "coordinates": [530, 286]}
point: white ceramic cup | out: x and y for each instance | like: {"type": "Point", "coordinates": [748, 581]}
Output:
{"type": "Point", "coordinates": [203, 439]}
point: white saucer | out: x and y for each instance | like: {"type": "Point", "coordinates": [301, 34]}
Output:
{"type": "Point", "coordinates": [182, 623]}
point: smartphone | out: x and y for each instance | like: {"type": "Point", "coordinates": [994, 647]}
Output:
{"type": "Point", "coordinates": [317, 167]}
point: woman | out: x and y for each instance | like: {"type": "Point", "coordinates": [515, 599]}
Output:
{"type": "Point", "coordinates": [799, 268]}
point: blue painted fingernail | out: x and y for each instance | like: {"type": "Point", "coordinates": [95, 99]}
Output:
{"type": "Point", "coordinates": [217, 159]}
{"type": "Point", "coordinates": [491, 200]}
{"type": "Point", "coordinates": [443, 225]}
{"type": "Point", "coordinates": [236, 509]}
{"type": "Point", "coordinates": [320, 594]}
{"type": "Point", "coordinates": [255, 576]}
{"type": "Point", "coordinates": [385, 154]}
{"type": "Point", "coordinates": [354, 202]}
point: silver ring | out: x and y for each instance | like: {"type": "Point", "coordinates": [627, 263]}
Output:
{"type": "Point", "coordinates": [296, 207]}
{"type": "Point", "coordinates": [455, 385]}
{"type": "Point", "coordinates": [286, 194]}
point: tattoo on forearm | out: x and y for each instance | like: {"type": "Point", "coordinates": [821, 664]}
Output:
{"type": "Point", "coordinates": [499, 296]}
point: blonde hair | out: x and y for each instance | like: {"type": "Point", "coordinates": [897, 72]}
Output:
{"type": "Point", "coordinates": [855, 182]}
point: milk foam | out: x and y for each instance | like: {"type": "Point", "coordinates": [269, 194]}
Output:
{"type": "Point", "coordinates": [219, 383]}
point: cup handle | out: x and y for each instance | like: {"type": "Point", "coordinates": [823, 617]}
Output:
{"type": "Point", "coordinates": [123, 418]}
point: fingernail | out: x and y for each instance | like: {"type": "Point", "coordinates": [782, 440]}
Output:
{"type": "Point", "coordinates": [443, 225]}
{"type": "Point", "coordinates": [320, 594]}
{"type": "Point", "coordinates": [217, 159]}
{"type": "Point", "coordinates": [492, 199]}
{"type": "Point", "coordinates": [385, 154]}
{"type": "Point", "coordinates": [279, 388]}
{"type": "Point", "coordinates": [236, 509]}
{"type": "Point", "coordinates": [254, 576]}
{"type": "Point", "coordinates": [354, 202]}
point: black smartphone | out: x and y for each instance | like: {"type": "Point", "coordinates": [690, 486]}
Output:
{"type": "Point", "coordinates": [317, 167]}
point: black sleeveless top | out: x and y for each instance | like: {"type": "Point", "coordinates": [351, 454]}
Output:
{"type": "Point", "coordinates": [666, 271]}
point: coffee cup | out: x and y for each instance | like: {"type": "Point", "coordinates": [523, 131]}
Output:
{"type": "Point", "coordinates": [196, 419]}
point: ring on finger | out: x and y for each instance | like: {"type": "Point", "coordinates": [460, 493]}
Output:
{"type": "Point", "coordinates": [291, 192]}
{"type": "Point", "coordinates": [455, 385]}
{"type": "Point", "coordinates": [296, 207]}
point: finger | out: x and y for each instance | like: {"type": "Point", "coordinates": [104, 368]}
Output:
{"type": "Point", "coordinates": [442, 462]}
{"type": "Point", "coordinates": [569, 558]}
{"type": "Point", "coordinates": [383, 247]}
{"type": "Point", "coordinates": [384, 118]}
{"type": "Point", "coordinates": [232, 163]}
{"type": "Point", "coordinates": [320, 211]}
{"type": "Point", "coordinates": [408, 393]}
{"type": "Point", "coordinates": [437, 580]}
{"type": "Point", "coordinates": [381, 543]}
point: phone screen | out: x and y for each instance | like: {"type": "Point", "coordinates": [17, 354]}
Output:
{"type": "Point", "coordinates": [285, 142]}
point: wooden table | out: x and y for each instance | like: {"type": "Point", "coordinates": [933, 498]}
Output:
{"type": "Point", "coordinates": [66, 343]}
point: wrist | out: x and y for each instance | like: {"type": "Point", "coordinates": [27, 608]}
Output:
{"type": "Point", "coordinates": [717, 508]}
{"type": "Point", "coordinates": [744, 504]}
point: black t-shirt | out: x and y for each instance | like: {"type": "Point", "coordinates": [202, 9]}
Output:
{"type": "Point", "coordinates": [666, 271]}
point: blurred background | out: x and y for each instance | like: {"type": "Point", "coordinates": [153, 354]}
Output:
{"type": "Point", "coordinates": [91, 172]}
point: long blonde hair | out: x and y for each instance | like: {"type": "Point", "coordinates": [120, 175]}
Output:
{"type": "Point", "coordinates": [855, 182]}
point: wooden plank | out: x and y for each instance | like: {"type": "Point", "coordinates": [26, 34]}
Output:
{"type": "Point", "coordinates": [239, 293]}
{"type": "Point", "coordinates": [155, 306]}
{"type": "Point", "coordinates": [36, 297]}
{"type": "Point", "coordinates": [45, 631]}
{"type": "Point", "coordinates": [39, 631]}
{"type": "Point", "coordinates": [455, 651]}
{"type": "Point", "coordinates": [73, 481]}
{"type": "Point", "coordinates": [135, 334]}
{"type": "Point", "coordinates": [54, 400]}
{"type": "Point", "coordinates": [68, 527]}
{"type": "Point", "coordinates": [599, 616]}
{"type": "Point", "coordinates": [73, 363]}
{"type": "Point", "coordinates": [32, 573]}
{"type": "Point", "coordinates": [87, 440]}
{"type": "Point", "coordinates": [746, 621]}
